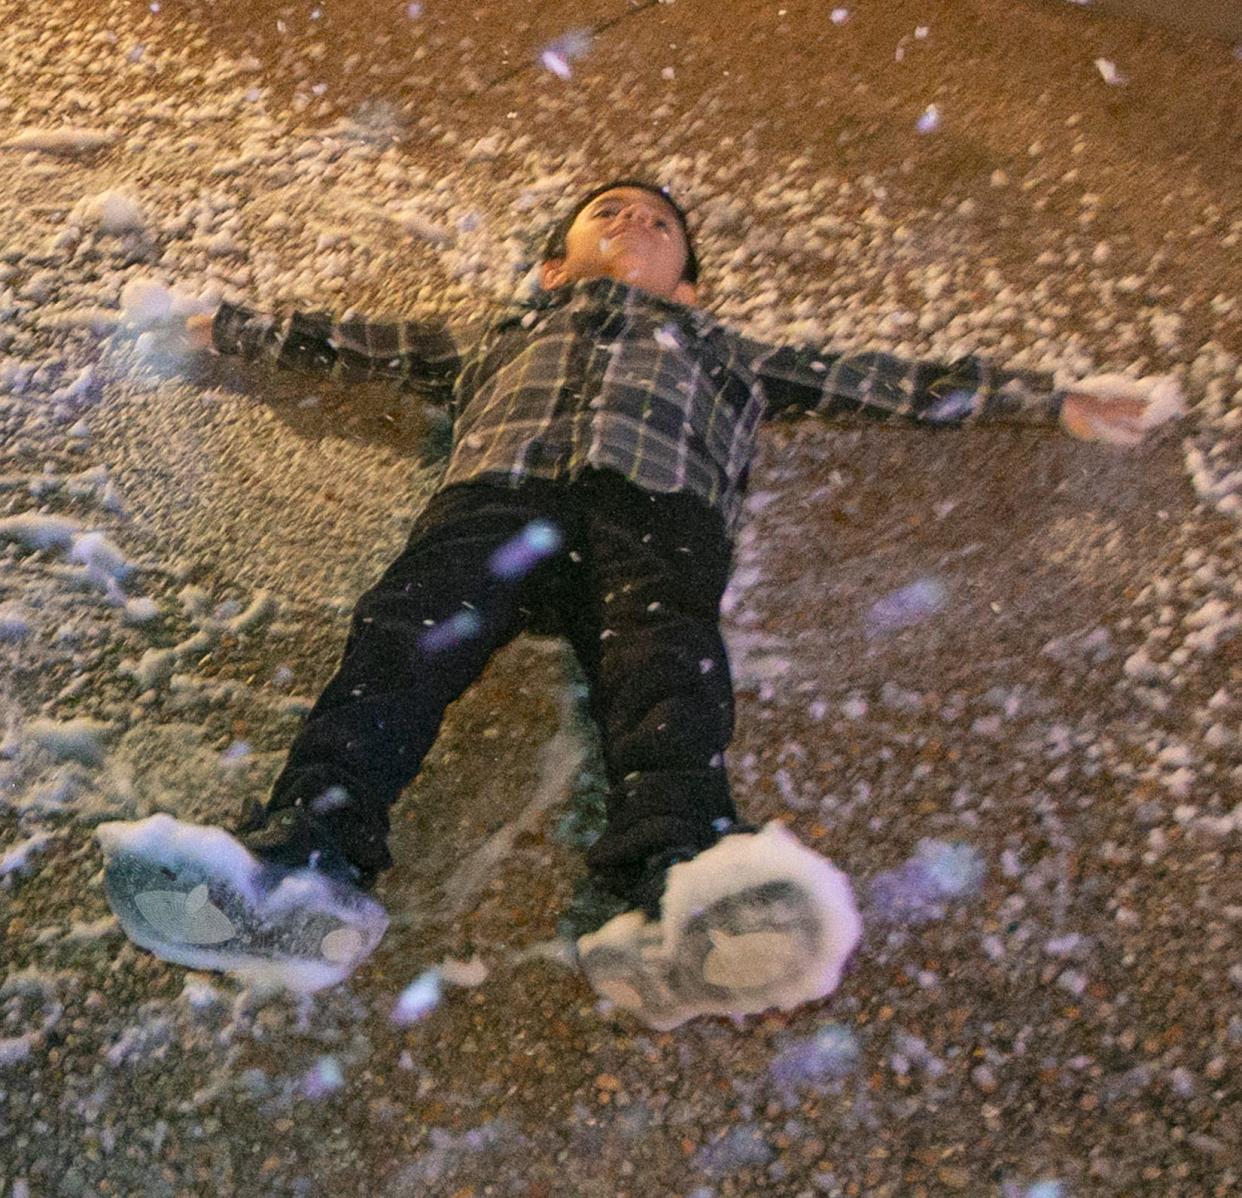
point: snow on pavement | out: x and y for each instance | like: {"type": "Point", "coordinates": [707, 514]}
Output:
{"type": "Point", "coordinates": [154, 518]}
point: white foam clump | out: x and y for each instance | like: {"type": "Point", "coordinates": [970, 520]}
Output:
{"type": "Point", "coordinates": [15, 623]}
{"type": "Point", "coordinates": [112, 212]}
{"type": "Point", "coordinates": [42, 986]}
{"type": "Point", "coordinates": [102, 559]}
{"type": "Point", "coordinates": [66, 140]}
{"type": "Point", "coordinates": [71, 740]}
{"type": "Point", "coordinates": [37, 531]}
{"type": "Point", "coordinates": [1161, 394]}
{"type": "Point", "coordinates": [916, 891]}
{"type": "Point", "coordinates": [463, 973]}
{"type": "Point", "coordinates": [774, 854]}
{"type": "Point", "coordinates": [104, 565]}
{"type": "Point", "coordinates": [1109, 72]}
{"type": "Point", "coordinates": [17, 858]}
{"type": "Point", "coordinates": [417, 225]}
{"type": "Point", "coordinates": [147, 301]}
{"type": "Point", "coordinates": [141, 610]}
{"type": "Point", "coordinates": [826, 1056]}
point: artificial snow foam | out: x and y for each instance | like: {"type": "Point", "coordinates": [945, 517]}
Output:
{"type": "Point", "coordinates": [742, 862]}
{"type": "Point", "coordinates": [111, 212]}
{"type": "Point", "coordinates": [66, 140]}
{"type": "Point", "coordinates": [145, 302]}
{"type": "Point", "coordinates": [189, 925]}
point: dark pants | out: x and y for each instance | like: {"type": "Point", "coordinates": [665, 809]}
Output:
{"type": "Point", "coordinates": [635, 586]}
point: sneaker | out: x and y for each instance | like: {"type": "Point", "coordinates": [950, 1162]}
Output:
{"type": "Point", "coordinates": [197, 896]}
{"type": "Point", "coordinates": [647, 892]}
{"type": "Point", "coordinates": [645, 895]}
{"type": "Point", "coordinates": [755, 922]}
{"type": "Point", "coordinates": [291, 837]}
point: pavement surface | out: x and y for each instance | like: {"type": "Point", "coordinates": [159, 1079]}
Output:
{"type": "Point", "coordinates": [1060, 743]}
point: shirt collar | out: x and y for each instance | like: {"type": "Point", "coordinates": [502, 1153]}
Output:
{"type": "Point", "coordinates": [622, 295]}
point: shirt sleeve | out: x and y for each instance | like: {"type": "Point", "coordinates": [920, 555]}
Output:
{"type": "Point", "coordinates": [884, 387]}
{"type": "Point", "coordinates": [419, 355]}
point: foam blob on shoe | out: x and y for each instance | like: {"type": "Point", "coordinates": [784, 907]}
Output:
{"type": "Point", "coordinates": [755, 922]}
{"type": "Point", "coordinates": [759, 920]}
{"type": "Point", "coordinates": [626, 964]}
{"type": "Point", "coordinates": [196, 896]}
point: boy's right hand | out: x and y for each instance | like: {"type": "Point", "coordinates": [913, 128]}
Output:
{"type": "Point", "coordinates": [198, 330]}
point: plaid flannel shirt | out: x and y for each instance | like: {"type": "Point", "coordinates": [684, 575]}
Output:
{"type": "Point", "coordinates": [601, 374]}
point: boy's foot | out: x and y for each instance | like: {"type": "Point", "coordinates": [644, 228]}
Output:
{"type": "Point", "coordinates": [197, 896]}
{"type": "Point", "coordinates": [757, 921]}
{"type": "Point", "coordinates": [625, 963]}
{"type": "Point", "coordinates": [293, 837]}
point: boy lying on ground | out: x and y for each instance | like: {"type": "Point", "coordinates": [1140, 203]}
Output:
{"type": "Point", "coordinates": [602, 439]}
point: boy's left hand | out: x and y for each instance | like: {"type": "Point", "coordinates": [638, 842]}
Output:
{"type": "Point", "coordinates": [1118, 409]}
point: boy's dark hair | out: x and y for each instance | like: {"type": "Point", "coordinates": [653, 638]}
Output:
{"type": "Point", "coordinates": [555, 247]}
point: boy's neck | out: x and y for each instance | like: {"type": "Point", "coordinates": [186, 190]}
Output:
{"type": "Point", "coordinates": [668, 299]}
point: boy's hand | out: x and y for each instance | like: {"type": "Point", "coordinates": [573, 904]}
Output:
{"type": "Point", "coordinates": [1090, 418]}
{"type": "Point", "coordinates": [198, 330]}
{"type": "Point", "coordinates": [1118, 409]}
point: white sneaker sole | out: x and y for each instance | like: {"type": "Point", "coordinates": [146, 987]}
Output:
{"type": "Point", "coordinates": [758, 921]}
{"type": "Point", "coordinates": [196, 896]}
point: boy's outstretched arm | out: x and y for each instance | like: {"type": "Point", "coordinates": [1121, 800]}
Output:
{"type": "Point", "coordinates": [418, 354]}
{"type": "Point", "coordinates": [1110, 408]}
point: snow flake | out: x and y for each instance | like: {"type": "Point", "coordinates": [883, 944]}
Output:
{"type": "Point", "coordinates": [519, 555]}
{"type": "Point", "coordinates": [559, 56]}
{"type": "Point", "coordinates": [1109, 71]}
{"type": "Point", "coordinates": [447, 634]}
{"type": "Point", "coordinates": [418, 999]}
{"type": "Point", "coordinates": [916, 890]}
{"type": "Point", "coordinates": [666, 337]}
{"type": "Point", "coordinates": [323, 1078]}
{"type": "Point", "coordinates": [905, 606]}
{"type": "Point", "coordinates": [929, 122]}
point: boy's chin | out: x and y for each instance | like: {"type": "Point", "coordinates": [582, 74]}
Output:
{"type": "Point", "coordinates": [636, 278]}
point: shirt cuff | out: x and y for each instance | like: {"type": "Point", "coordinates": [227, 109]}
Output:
{"type": "Point", "coordinates": [233, 330]}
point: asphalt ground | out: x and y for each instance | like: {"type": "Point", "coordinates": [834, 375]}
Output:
{"type": "Point", "coordinates": [1073, 1021]}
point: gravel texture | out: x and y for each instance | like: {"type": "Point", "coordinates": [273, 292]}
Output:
{"type": "Point", "coordinates": [1032, 771]}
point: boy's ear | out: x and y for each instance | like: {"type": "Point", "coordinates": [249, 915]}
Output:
{"type": "Point", "coordinates": [685, 293]}
{"type": "Point", "coordinates": [552, 273]}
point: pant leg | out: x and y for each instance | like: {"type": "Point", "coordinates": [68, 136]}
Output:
{"type": "Point", "coordinates": [419, 637]}
{"type": "Point", "coordinates": [649, 642]}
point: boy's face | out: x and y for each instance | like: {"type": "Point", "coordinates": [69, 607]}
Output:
{"type": "Point", "coordinates": [630, 235]}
